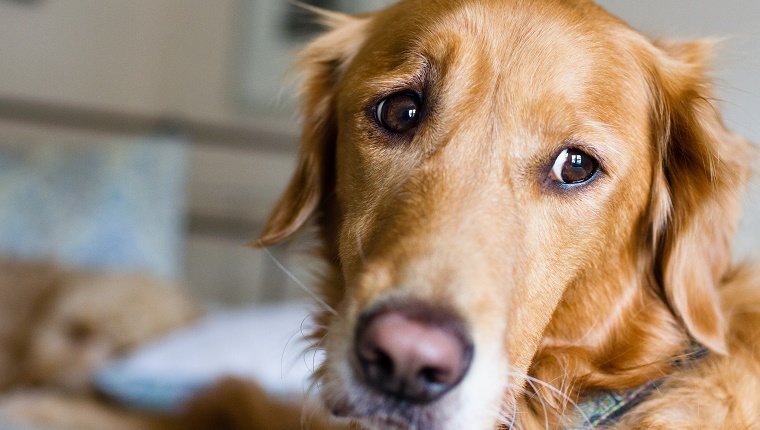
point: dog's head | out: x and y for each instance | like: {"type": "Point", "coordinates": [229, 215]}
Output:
{"type": "Point", "coordinates": [493, 178]}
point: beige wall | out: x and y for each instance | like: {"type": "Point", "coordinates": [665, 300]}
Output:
{"type": "Point", "coordinates": [64, 50]}
{"type": "Point", "coordinates": [146, 56]}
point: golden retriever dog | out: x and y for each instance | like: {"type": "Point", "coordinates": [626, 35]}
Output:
{"type": "Point", "coordinates": [59, 326]}
{"type": "Point", "coordinates": [523, 203]}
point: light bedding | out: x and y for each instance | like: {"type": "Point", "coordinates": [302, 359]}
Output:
{"type": "Point", "coordinates": [264, 343]}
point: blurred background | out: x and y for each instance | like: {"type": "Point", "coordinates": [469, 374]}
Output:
{"type": "Point", "coordinates": [191, 94]}
{"type": "Point", "coordinates": [200, 88]}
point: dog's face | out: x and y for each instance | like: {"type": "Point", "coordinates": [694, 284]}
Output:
{"type": "Point", "coordinates": [473, 162]}
{"type": "Point", "coordinates": [468, 184]}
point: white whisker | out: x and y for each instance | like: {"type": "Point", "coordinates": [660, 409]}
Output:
{"type": "Point", "coordinates": [553, 389]}
{"type": "Point", "coordinates": [543, 404]}
{"type": "Point", "coordinates": [508, 420]}
{"type": "Point", "coordinates": [299, 283]}
{"type": "Point", "coordinates": [285, 348]}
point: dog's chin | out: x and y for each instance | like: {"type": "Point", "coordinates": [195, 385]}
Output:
{"type": "Point", "coordinates": [374, 412]}
{"type": "Point", "coordinates": [384, 414]}
{"type": "Point", "coordinates": [395, 423]}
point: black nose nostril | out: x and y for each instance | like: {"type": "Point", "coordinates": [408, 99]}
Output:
{"type": "Point", "coordinates": [376, 365]}
{"type": "Point", "coordinates": [384, 363]}
{"type": "Point", "coordinates": [433, 376]}
{"type": "Point", "coordinates": [409, 355]}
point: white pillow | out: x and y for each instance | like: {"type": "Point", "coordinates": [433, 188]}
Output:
{"type": "Point", "coordinates": [264, 343]}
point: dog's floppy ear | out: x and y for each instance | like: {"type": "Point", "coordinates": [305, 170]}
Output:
{"type": "Point", "coordinates": [322, 61]}
{"type": "Point", "coordinates": [697, 191]}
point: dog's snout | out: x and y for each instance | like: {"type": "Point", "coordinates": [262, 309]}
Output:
{"type": "Point", "coordinates": [412, 358]}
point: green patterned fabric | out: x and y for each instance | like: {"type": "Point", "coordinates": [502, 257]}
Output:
{"type": "Point", "coordinates": [602, 409]}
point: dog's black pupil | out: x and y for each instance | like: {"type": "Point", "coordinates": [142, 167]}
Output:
{"type": "Point", "coordinates": [399, 113]}
{"type": "Point", "coordinates": [579, 167]}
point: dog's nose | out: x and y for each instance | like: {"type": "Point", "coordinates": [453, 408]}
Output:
{"type": "Point", "coordinates": [411, 356]}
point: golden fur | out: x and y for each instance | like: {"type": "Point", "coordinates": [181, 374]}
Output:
{"type": "Point", "coordinates": [563, 292]}
{"type": "Point", "coordinates": [59, 326]}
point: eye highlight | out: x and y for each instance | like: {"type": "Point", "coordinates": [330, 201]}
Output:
{"type": "Point", "coordinates": [574, 167]}
{"type": "Point", "coordinates": [399, 113]}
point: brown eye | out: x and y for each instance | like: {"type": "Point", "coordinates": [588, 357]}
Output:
{"type": "Point", "coordinates": [574, 166]}
{"type": "Point", "coordinates": [399, 113]}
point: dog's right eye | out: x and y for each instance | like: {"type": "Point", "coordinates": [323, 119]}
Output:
{"type": "Point", "coordinates": [574, 167]}
{"type": "Point", "coordinates": [399, 113]}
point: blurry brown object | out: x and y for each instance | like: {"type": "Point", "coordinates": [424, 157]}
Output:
{"type": "Point", "coordinates": [58, 327]}
{"type": "Point", "coordinates": [60, 411]}
{"type": "Point", "coordinates": [240, 405]}
{"type": "Point", "coordinates": [231, 404]}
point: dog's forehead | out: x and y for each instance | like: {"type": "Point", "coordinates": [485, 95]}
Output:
{"type": "Point", "coordinates": [545, 31]}
{"type": "Point", "coordinates": [547, 57]}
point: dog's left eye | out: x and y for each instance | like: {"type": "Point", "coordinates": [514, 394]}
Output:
{"type": "Point", "coordinates": [399, 113]}
{"type": "Point", "coordinates": [574, 166]}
